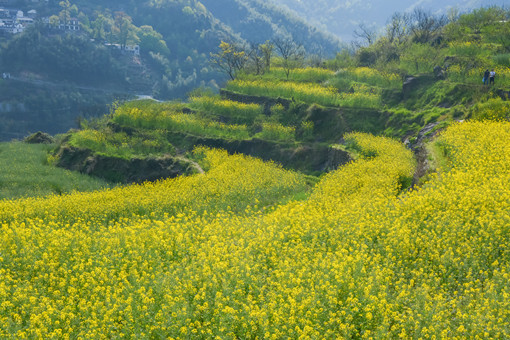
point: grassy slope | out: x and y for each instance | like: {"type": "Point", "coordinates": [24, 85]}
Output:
{"type": "Point", "coordinates": [24, 172]}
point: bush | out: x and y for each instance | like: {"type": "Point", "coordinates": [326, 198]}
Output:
{"type": "Point", "coordinates": [492, 109]}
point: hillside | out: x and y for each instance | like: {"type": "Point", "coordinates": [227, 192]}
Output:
{"type": "Point", "coordinates": [342, 18]}
{"type": "Point", "coordinates": [298, 116]}
{"type": "Point", "coordinates": [365, 198]}
{"type": "Point", "coordinates": [241, 252]}
{"type": "Point", "coordinates": [175, 39]}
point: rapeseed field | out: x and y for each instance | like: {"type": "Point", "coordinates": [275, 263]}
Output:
{"type": "Point", "coordinates": [233, 253]}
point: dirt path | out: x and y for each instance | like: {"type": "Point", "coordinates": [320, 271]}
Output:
{"type": "Point", "coordinates": [193, 163]}
{"type": "Point", "coordinates": [421, 154]}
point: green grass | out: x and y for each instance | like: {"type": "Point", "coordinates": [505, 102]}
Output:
{"type": "Point", "coordinates": [308, 74]}
{"type": "Point", "coordinates": [238, 112]}
{"type": "Point", "coordinates": [311, 93]}
{"type": "Point", "coordinates": [344, 79]}
{"type": "Point", "coordinates": [24, 172]}
{"type": "Point", "coordinates": [122, 145]}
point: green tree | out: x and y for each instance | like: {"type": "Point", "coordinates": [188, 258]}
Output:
{"type": "Point", "coordinates": [54, 21]}
{"type": "Point", "coordinates": [421, 58]}
{"type": "Point", "coordinates": [124, 29]}
{"type": "Point", "coordinates": [84, 21]}
{"type": "Point", "coordinates": [102, 27]}
{"type": "Point", "coordinates": [152, 41]}
{"type": "Point", "coordinates": [68, 11]}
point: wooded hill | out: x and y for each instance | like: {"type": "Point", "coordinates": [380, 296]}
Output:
{"type": "Point", "coordinates": [175, 39]}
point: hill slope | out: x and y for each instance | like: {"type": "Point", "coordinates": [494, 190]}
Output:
{"type": "Point", "coordinates": [343, 17]}
{"type": "Point", "coordinates": [244, 248]}
{"type": "Point", "coordinates": [175, 37]}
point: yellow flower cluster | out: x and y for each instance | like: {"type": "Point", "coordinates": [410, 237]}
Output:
{"type": "Point", "coordinates": [195, 124]}
{"type": "Point", "coordinates": [228, 108]}
{"type": "Point", "coordinates": [196, 257]}
{"type": "Point", "coordinates": [175, 120]}
{"type": "Point", "coordinates": [371, 76]}
{"type": "Point", "coordinates": [474, 75]}
{"type": "Point", "coordinates": [501, 71]}
{"type": "Point", "coordinates": [359, 99]}
{"type": "Point", "coordinates": [491, 109]}
{"type": "Point", "coordinates": [120, 144]}
{"type": "Point", "coordinates": [178, 121]}
{"type": "Point", "coordinates": [276, 131]}
{"type": "Point", "coordinates": [307, 74]}
{"type": "Point", "coordinates": [307, 92]}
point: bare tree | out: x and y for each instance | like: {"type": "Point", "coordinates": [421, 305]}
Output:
{"type": "Point", "coordinates": [292, 54]}
{"type": "Point", "coordinates": [426, 26]}
{"type": "Point", "coordinates": [256, 58]}
{"type": "Point", "coordinates": [397, 28]}
{"type": "Point", "coordinates": [267, 51]}
{"type": "Point", "coordinates": [316, 55]}
{"type": "Point", "coordinates": [366, 34]}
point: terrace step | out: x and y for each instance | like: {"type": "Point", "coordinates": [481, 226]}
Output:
{"type": "Point", "coordinates": [307, 158]}
{"type": "Point", "coordinates": [267, 102]}
{"type": "Point", "coordinates": [134, 170]}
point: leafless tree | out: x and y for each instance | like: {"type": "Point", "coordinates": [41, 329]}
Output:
{"type": "Point", "coordinates": [426, 26]}
{"type": "Point", "coordinates": [267, 51]}
{"type": "Point", "coordinates": [292, 53]}
{"type": "Point", "coordinates": [365, 35]}
{"type": "Point", "coordinates": [316, 55]}
{"type": "Point", "coordinates": [397, 28]}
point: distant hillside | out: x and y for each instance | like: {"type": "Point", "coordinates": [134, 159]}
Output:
{"type": "Point", "coordinates": [261, 20]}
{"type": "Point", "coordinates": [343, 17]}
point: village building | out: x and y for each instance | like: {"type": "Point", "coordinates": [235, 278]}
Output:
{"type": "Point", "coordinates": [73, 24]}
{"type": "Point", "coordinates": [127, 49]}
{"type": "Point", "coordinates": [14, 21]}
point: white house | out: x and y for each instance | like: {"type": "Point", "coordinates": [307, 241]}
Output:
{"type": "Point", "coordinates": [72, 25]}
{"type": "Point", "coordinates": [128, 49]}
{"type": "Point", "coordinates": [13, 21]}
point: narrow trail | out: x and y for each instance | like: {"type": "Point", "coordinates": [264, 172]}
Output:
{"type": "Point", "coordinates": [421, 154]}
{"type": "Point", "coordinates": [193, 163]}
